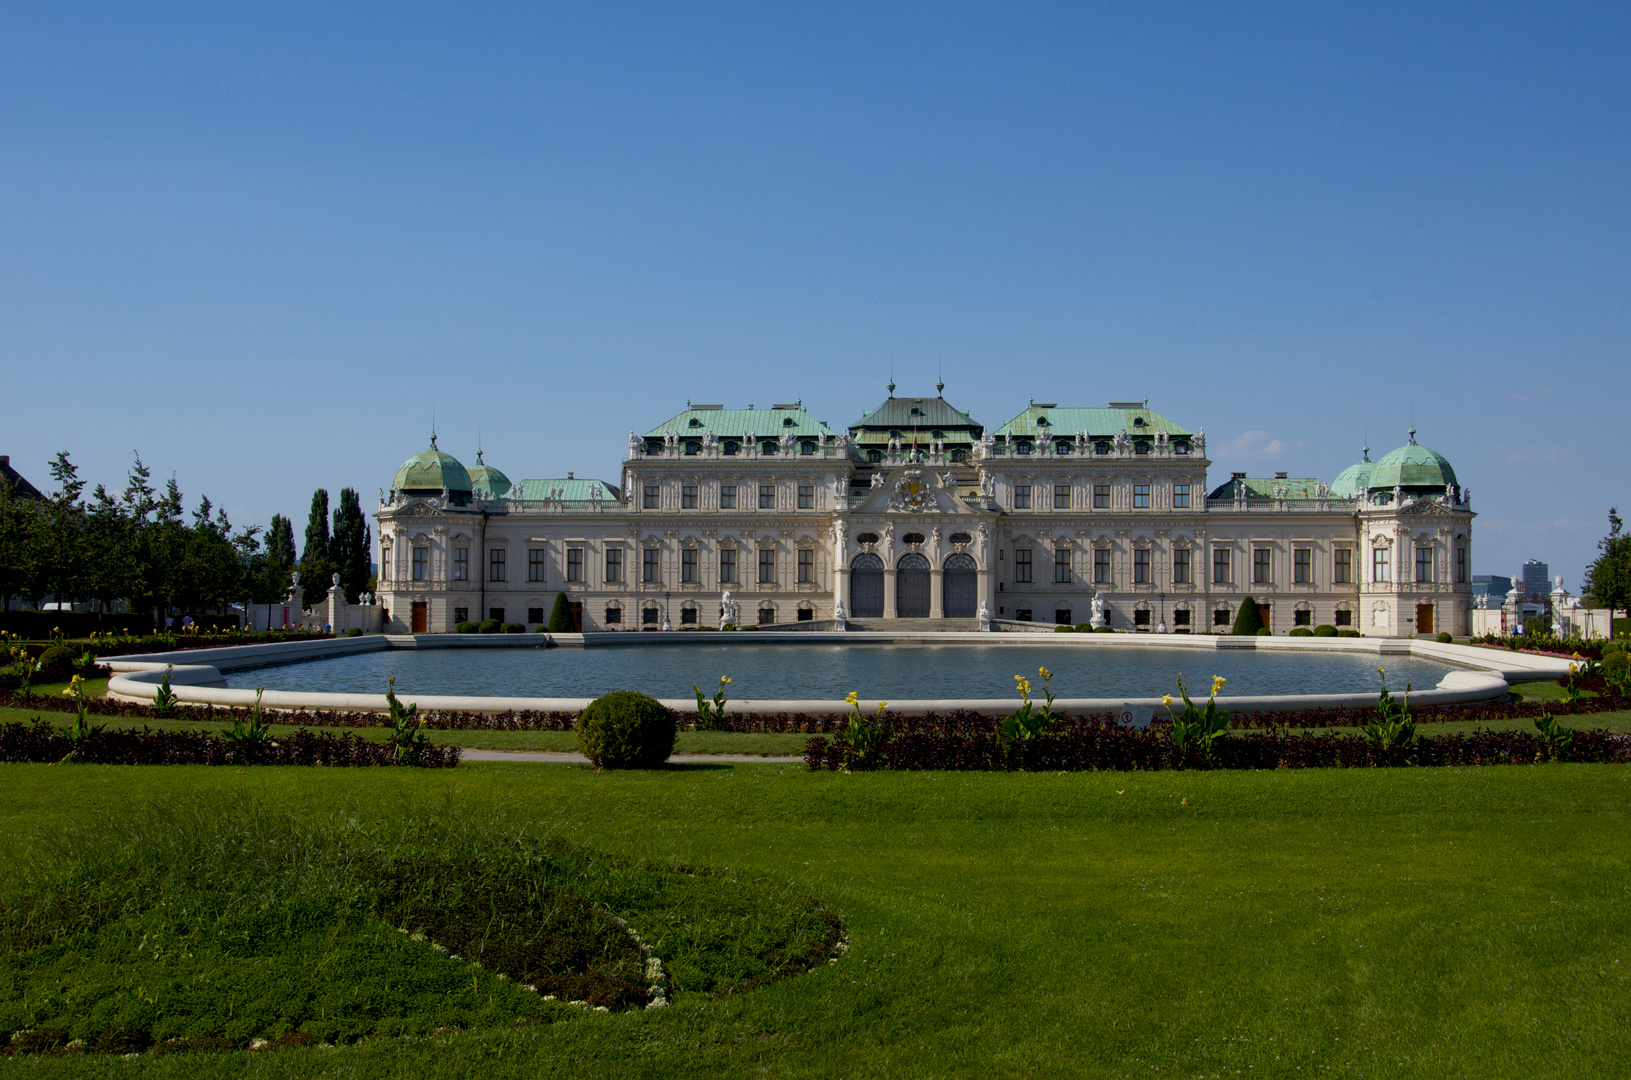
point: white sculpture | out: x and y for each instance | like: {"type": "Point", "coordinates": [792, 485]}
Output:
{"type": "Point", "coordinates": [985, 615]}
{"type": "Point", "coordinates": [634, 445]}
{"type": "Point", "coordinates": [840, 617]}
{"type": "Point", "coordinates": [727, 610]}
{"type": "Point", "coordinates": [1098, 610]}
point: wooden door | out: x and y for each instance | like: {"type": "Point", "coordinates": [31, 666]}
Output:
{"type": "Point", "coordinates": [1424, 618]}
{"type": "Point", "coordinates": [575, 607]}
{"type": "Point", "coordinates": [421, 617]}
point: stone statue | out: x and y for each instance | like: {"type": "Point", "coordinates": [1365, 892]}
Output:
{"type": "Point", "coordinates": [727, 610]}
{"type": "Point", "coordinates": [985, 615]}
{"type": "Point", "coordinates": [294, 579]}
{"type": "Point", "coordinates": [634, 445]}
{"type": "Point", "coordinates": [877, 479]}
{"type": "Point", "coordinates": [1098, 610]}
{"type": "Point", "coordinates": [1200, 443]}
{"type": "Point", "coordinates": [335, 578]}
{"type": "Point", "coordinates": [840, 540]}
{"type": "Point", "coordinates": [839, 616]}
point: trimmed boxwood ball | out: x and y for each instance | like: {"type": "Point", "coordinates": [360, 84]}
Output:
{"type": "Point", "coordinates": [56, 664]}
{"type": "Point", "coordinates": [1444, 637]}
{"type": "Point", "coordinates": [515, 628]}
{"type": "Point", "coordinates": [488, 626]}
{"type": "Point", "coordinates": [1104, 629]}
{"type": "Point", "coordinates": [626, 730]}
{"type": "Point", "coordinates": [1325, 630]}
{"type": "Point", "coordinates": [1301, 631]}
{"type": "Point", "coordinates": [466, 628]}
{"type": "Point", "coordinates": [1263, 631]}
{"type": "Point", "coordinates": [1084, 628]}
{"type": "Point", "coordinates": [1347, 632]}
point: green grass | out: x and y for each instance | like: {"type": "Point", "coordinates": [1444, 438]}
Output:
{"type": "Point", "coordinates": [1375, 923]}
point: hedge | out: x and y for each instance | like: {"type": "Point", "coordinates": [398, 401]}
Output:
{"type": "Point", "coordinates": [47, 743]}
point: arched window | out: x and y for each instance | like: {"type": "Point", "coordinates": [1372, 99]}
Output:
{"type": "Point", "coordinates": [960, 561]}
{"type": "Point", "coordinates": [912, 538]}
{"type": "Point", "coordinates": [912, 561]}
{"type": "Point", "coordinates": [867, 538]}
{"type": "Point", "coordinates": [961, 538]}
{"type": "Point", "coordinates": [866, 561]}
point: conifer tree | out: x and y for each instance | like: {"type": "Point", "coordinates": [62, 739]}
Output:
{"type": "Point", "coordinates": [1249, 621]}
{"type": "Point", "coordinates": [315, 568]}
{"type": "Point", "coordinates": [348, 548]}
{"type": "Point", "coordinates": [560, 616]}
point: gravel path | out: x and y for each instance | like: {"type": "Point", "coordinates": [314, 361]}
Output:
{"type": "Point", "coordinates": [557, 757]}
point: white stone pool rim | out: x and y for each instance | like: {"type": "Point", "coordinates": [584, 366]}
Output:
{"type": "Point", "coordinates": [1483, 674]}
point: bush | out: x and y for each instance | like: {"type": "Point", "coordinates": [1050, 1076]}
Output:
{"type": "Point", "coordinates": [1104, 629]}
{"type": "Point", "coordinates": [56, 664]}
{"type": "Point", "coordinates": [1263, 631]}
{"type": "Point", "coordinates": [515, 628]}
{"type": "Point", "coordinates": [1084, 628]}
{"type": "Point", "coordinates": [1325, 630]}
{"type": "Point", "coordinates": [560, 616]}
{"type": "Point", "coordinates": [1249, 620]}
{"type": "Point", "coordinates": [540, 628]}
{"type": "Point", "coordinates": [488, 626]}
{"type": "Point", "coordinates": [1301, 631]}
{"type": "Point", "coordinates": [1066, 629]}
{"type": "Point", "coordinates": [1443, 637]}
{"type": "Point", "coordinates": [626, 730]}
{"type": "Point", "coordinates": [467, 628]}
{"type": "Point", "coordinates": [1615, 663]}
{"type": "Point", "coordinates": [1347, 632]}
{"type": "Point", "coordinates": [354, 632]}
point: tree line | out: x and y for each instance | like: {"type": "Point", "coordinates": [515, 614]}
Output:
{"type": "Point", "coordinates": [139, 546]}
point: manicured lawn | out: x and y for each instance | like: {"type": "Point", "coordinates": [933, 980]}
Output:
{"type": "Point", "coordinates": [1411, 922]}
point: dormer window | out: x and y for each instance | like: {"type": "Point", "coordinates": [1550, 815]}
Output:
{"type": "Point", "coordinates": [788, 422]}
{"type": "Point", "coordinates": [732, 447]}
{"type": "Point", "coordinates": [695, 422]}
{"type": "Point", "coordinates": [912, 538]}
{"type": "Point", "coordinates": [1042, 421]}
{"type": "Point", "coordinates": [807, 448]}
{"type": "Point", "coordinates": [1101, 447]}
{"type": "Point", "coordinates": [768, 448]}
{"type": "Point", "coordinates": [1138, 421]}
{"type": "Point", "coordinates": [1180, 448]}
{"type": "Point", "coordinates": [1141, 447]}
{"type": "Point", "coordinates": [692, 447]}
{"type": "Point", "coordinates": [937, 433]}
{"type": "Point", "coordinates": [1024, 446]}
{"type": "Point", "coordinates": [1062, 446]}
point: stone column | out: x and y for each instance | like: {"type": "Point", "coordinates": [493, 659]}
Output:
{"type": "Point", "coordinates": [988, 592]}
{"type": "Point", "coordinates": [889, 593]}
{"type": "Point", "coordinates": [937, 593]}
{"type": "Point", "coordinates": [840, 586]}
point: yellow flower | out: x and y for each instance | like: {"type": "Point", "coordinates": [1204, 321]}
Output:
{"type": "Point", "coordinates": [1045, 673]}
{"type": "Point", "coordinates": [852, 699]}
{"type": "Point", "coordinates": [882, 705]}
{"type": "Point", "coordinates": [1166, 699]}
{"type": "Point", "coordinates": [725, 678]}
{"type": "Point", "coordinates": [1217, 684]}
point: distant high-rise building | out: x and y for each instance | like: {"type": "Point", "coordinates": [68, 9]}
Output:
{"type": "Point", "coordinates": [1537, 579]}
{"type": "Point", "coordinates": [1489, 590]}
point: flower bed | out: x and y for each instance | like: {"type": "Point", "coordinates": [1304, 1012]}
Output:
{"type": "Point", "coordinates": [47, 743]}
{"type": "Point", "coordinates": [969, 742]}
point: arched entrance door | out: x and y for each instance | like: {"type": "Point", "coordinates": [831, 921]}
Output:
{"type": "Point", "coordinates": [912, 587]}
{"type": "Point", "coordinates": [866, 587]}
{"type": "Point", "coordinates": [962, 587]}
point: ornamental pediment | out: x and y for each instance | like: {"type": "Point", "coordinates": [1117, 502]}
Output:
{"type": "Point", "coordinates": [1428, 508]}
{"type": "Point", "coordinates": [914, 489]}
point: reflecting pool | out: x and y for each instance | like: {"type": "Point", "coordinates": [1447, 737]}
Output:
{"type": "Point", "coordinates": [887, 672]}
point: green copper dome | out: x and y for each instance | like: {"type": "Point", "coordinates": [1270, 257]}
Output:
{"type": "Point", "coordinates": [431, 472]}
{"type": "Point", "coordinates": [1352, 481]}
{"type": "Point", "coordinates": [487, 482]}
{"type": "Point", "coordinates": [1415, 468]}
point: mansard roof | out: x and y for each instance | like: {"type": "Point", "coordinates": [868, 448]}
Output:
{"type": "Point", "coordinates": [1297, 487]}
{"type": "Point", "coordinates": [573, 492]}
{"type": "Point", "coordinates": [1050, 420]}
{"type": "Point", "coordinates": [923, 413]}
{"type": "Point", "coordinates": [768, 423]}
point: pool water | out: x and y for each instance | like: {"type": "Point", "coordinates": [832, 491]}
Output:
{"type": "Point", "coordinates": [887, 672]}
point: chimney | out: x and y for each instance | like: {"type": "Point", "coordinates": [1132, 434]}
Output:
{"type": "Point", "coordinates": [1237, 476]}
{"type": "Point", "coordinates": [1279, 476]}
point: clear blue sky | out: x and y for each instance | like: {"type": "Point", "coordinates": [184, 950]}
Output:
{"type": "Point", "coordinates": [260, 246]}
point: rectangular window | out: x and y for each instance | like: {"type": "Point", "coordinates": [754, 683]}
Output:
{"type": "Point", "coordinates": [688, 616]}
{"type": "Point", "coordinates": [727, 566]}
{"type": "Point", "coordinates": [1461, 565]}
{"type": "Point", "coordinates": [461, 564]}
{"type": "Point", "coordinates": [421, 563]}
{"type": "Point", "coordinates": [1262, 566]}
{"type": "Point", "coordinates": [1220, 566]}
{"type": "Point", "coordinates": [614, 564]}
{"type": "Point", "coordinates": [1022, 564]}
{"type": "Point", "coordinates": [495, 564]}
{"type": "Point", "coordinates": [1180, 496]}
{"type": "Point", "coordinates": [806, 566]}
{"type": "Point", "coordinates": [653, 498]}
{"type": "Point", "coordinates": [1061, 567]}
{"type": "Point", "coordinates": [806, 496]}
{"type": "Point", "coordinates": [727, 496]}
{"type": "Point", "coordinates": [1424, 564]}
{"type": "Point", "coordinates": [1379, 564]}
{"type": "Point", "coordinates": [651, 566]}
{"type": "Point", "coordinates": [1180, 617]}
{"type": "Point", "coordinates": [767, 567]}
{"type": "Point", "coordinates": [1101, 566]}
{"type": "Point", "coordinates": [767, 496]}
{"type": "Point", "coordinates": [1180, 566]}
{"type": "Point", "coordinates": [1141, 496]}
{"type": "Point", "coordinates": [461, 614]}
{"type": "Point", "coordinates": [1342, 566]}
{"type": "Point", "coordinates": [385, 562]}
{"type": "Point", "coordinates": [613, 615]}
{"type": "Point", "coordinates": [1101, 496]}
{"type": "Point", "coordinates": [1302, 617]}
{"type": "Point", "coordinates": [574, 564]}
{"type": "Point", "coordinates": [1141, 567]}
{"type": "Point", "coordinates": [1345, 618]}
{"type": "Point", "coordinates": [535, 565]}
{"type": "Point", "coordinates": [688, 566]}
{"type": "Point", "coordinates": [1220, 617]}
{"type": "Point", "coordinates": [1022, 496]}
{"type": "Point", "coordinates": [1142, 618]}
{"type": "Point", "coordinates": [688, 496]}
{"type": "Point", "coordinates": [1302, 566]}
{"type": "Point", "coordinates": [1061, 496]}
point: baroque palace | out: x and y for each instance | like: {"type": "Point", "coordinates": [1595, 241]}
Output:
{"type": "Point", "coordinates": [918, 511]}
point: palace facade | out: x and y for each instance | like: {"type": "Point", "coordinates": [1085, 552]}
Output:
{"type": "Point", "coordinates": [919, 511]}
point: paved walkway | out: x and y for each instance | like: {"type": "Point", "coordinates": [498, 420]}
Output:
{"type": "Point", "coordinates": [558, 757]}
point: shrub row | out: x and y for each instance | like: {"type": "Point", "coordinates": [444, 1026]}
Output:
{"type": "Point", "coordinates": [817, 723]}
{"type": "Point", "coordinates": [1093, 745]}
{"type": "Point", "coordinates": [44, 742]}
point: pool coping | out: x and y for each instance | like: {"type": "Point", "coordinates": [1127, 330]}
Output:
{"type": "Point", "coordinates": [197, 675]}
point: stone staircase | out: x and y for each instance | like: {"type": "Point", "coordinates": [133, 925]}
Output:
{"type": "Point", "coordinates": [915, 625]}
